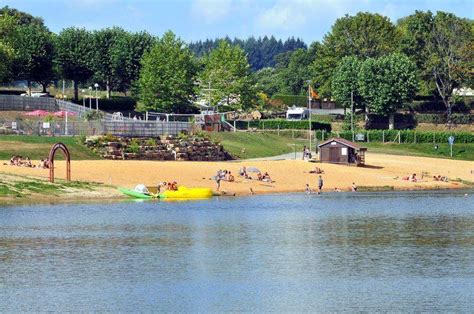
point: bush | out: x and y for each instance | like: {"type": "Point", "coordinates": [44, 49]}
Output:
{"type": "Point", "coordinates": [93, 115]}
{"type": "Point", "coordinates": [461, 105]}
{"type": "Point", "coordinates": [283, 124]}
{"type": "Point", "coordinates": [402, 122]}
{"type": "Point", "coordinates": [406, 136]}
{"type": "Point", "coordinates": [292, 100]}
{"type": "Point", "coordinates": [442, 119]}
{"type": "Point", "coordinates": [133, 147]}
{"type": "Point", "coordinates": [113, 104]}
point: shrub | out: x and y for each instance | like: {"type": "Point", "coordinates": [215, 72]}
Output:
{"type": "Point", "coordinates": [284, 124]}
{"type": "Point", "coordinates": [93, 115]}
{"type": "Point", "coordinates": [292, 100]}
{"type": "Point", "coordinates": [402, 122]}
{"type": "Point", "coordinates": [406, 136]}
{"type": "Point", "coordinates": [114, 103]}
{"type": "Point", "coordinates": [441, 118]}
{"type": "Point", "coordinates": [151, 142]}
{"type": "Point", "coordinates": [133, 147]}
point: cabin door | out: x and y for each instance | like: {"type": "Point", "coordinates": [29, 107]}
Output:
{"type": "Point", "coordinates": [334, 154]}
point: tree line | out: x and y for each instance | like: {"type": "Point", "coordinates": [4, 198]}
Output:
{"type": "Point", "coordinates": [365, 60]}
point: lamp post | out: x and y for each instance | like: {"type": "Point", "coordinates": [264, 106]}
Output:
{"type": "Point", "coordinates": [90, 97]}
{"type": "Point", "coordinates": [83, 99]}
{"type": "Point", "coordinates": [96, 99]}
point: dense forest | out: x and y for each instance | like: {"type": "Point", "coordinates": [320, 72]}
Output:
{"type": "Point", "coordinates": [261, 52]}
{"type": "Point", "coordinates": [380, 65]}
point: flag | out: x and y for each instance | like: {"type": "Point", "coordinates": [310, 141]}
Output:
{"type": "Point", "coordinates": [313, 94]}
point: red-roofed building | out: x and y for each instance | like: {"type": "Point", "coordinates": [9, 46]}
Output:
{"type": "Point", "coordinates": [341, 151]}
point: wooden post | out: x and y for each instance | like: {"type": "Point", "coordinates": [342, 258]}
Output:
{"type": "Point", "coordinates": [278, 130]}
{"type": "Point", "coordinates": [399, 138]}
{"type": "Point", "coordinates": [248, 125]}
{"type": "Point", "coordinates": [383, 136]}
{"type": "Point", "coordinates": [368, 138]}
{"type": "Point", "coordinates": [414, 137]}
{"type": "Point", "coordinates": [292, 134]}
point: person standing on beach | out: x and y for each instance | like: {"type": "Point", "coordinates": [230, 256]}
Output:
{"type": "Point", "coordinates": [320, 184]}
{"type": "Point", "coordinates": [304, 152]}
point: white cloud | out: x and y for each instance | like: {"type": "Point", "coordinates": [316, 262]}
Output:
{"type": "Point", "coordinates": [211, 10]}
{"type": "Point", "coordinates": [293, 14]}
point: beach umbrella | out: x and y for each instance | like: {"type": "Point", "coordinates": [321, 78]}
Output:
{"type": "Point", "coordinates": [252, 169]}
{"type": "Point", "coordinates": [62, 114]}
{"type": "Point", "coordinates": [37, 113]}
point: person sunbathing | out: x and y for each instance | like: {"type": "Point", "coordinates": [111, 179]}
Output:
{"type": "Point", "coordinates": [259, 176]}
{"type": "Point", "coordinates": [317, 170]}
{"type": "Point", "coordinates": [230, 177]}
{"type": "Point", "coordinates": [174, 186]}
{"type": "Point", "coordinates": [266, 177]}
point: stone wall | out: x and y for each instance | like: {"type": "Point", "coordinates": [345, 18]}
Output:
{"type": "Point", "coordinates": [170, 148]}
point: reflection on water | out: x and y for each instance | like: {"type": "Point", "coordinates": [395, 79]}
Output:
{"type": "Point", "coordinates": [352, 252]}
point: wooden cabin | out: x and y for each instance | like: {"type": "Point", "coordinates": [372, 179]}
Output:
{"type": "Point", "coordinates": [341, 151]}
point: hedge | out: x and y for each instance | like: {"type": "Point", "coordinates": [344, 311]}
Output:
{"type": "Point", "coordinates": [406, 136]}
{"type": "Point", "coordinates": [115, 103]}
{"type": "Point", "coordinates": [441, 118]}
{"type": "Point", "coordinates": [283, 124]}
{"type": "Point", "coordinates": [438, 106]}
{"type": "Point", "coordinates": [292, 100]}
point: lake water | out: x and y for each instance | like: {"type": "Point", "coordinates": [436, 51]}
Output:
{"type": "Point", "coordinates": [336, 252]}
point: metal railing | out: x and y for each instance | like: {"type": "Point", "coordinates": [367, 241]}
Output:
{"type": "Point", "coordinates": [124, 127]}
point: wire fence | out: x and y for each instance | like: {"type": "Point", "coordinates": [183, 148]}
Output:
{"type": "Point", "coordinates": [77, 125]}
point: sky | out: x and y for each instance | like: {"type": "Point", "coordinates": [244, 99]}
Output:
{"type": "Point", "coordinates": [195, 20]}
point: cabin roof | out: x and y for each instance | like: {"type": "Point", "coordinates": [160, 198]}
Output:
{"type": "Point", "coordinates": [341, 141]}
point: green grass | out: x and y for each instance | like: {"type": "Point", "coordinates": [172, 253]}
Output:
{"type": "Point", "coordinates": [460, 151]}
{"type": "Point", "coordinates": [270, 144]}
{"type": "Point", "coordinates": [245, 145]}
{"type": "Point", "coordinates": [37, 147]}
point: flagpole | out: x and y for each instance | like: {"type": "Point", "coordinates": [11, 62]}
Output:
{"type": "Point", "coordinates": [309, 113]}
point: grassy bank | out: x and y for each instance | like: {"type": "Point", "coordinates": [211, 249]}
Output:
{"type": "Point", "coordinates": [460, 151]}
{"type": "Point", "coordinates": [37, 147]}
{"type": "Point", "coordinates": [255, 145]}
{"type": "Point", "coordinates": [13, 186]}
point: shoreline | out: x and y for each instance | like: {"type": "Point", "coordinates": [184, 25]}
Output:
{"type": "Point", "coordinates": [383, 173]}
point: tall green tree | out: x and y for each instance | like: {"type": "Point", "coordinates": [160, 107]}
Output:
{"type": "Point", "coordinates": [387, 83]}
{"type": "Point", "coordinates": [450, 55]}
{"type": "Point", "coordinates": [126, 58]}
{"type": "Point", "coordinates": [441, 46]}
{"type": "Point", "coordinates": [267, 81]}
{"type": "Point", "coordinates": [365, 35]}
{"type": "Point", "coordinates": [74, 55]}
{"type": "Point", "coordinates": [415, 33]}
{"type": "Point", "coordinates": [7, 33]}
{"type": "Point", "coordinates": [227, 71]}
{"type": "Point", "coordinates": [106, 44]}
{"type": "Point", "coordinates": [345, 84]}
{"type": "Point", "coordinates": [293, 77]}
{"type": "Point", "coordinates": [167, 76]}
{"type": "Point", "coordinates": [33, 55]}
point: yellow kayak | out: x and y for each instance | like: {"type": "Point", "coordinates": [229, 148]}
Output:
{"type": "Point", "coordinates": [184, 192]}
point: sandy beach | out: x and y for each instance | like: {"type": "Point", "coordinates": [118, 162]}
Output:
{"type": "Point", "coordinates": [383, 172]}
